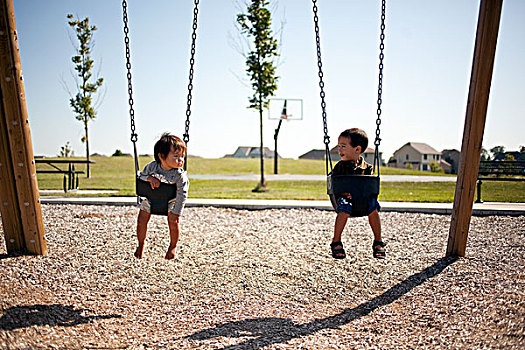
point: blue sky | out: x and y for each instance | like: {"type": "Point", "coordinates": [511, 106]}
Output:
{"type": "Point", "coordinates": [428, 58]}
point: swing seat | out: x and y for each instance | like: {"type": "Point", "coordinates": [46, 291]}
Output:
{"type": "Point", "coordinates": [158, 197]}
{"type": "Point", "coordinates": [363, 188]}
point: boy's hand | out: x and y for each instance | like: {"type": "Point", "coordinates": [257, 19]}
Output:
{"type": "Point", "coordinates": [154, 182]}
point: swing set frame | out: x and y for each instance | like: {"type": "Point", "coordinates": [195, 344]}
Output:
{"type": "Point", "coordinates": [19, 198]}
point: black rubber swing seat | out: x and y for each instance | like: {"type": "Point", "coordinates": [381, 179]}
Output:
{"type": "Point", "coordinates": [363, 188]}
{"type": "Point", "coordinates": [158, 197]}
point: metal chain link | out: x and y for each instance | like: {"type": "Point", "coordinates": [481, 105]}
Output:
{"type": "Point", "coordinates": [377, 140]}
{"type": "Point", "coordinates": [320, 65]}
{"type": "Point", "coordinates": [380, 83]}
{"type": "Point", "coordinates": [186, 135]}
{"type": "Point", "coordinates": [134, 136]}
{"type": "Point", "coordinates": [321, 85]}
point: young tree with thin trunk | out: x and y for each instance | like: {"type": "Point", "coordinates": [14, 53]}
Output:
{"type": "Point", "coordinates": [82, 103]}
{"type": "Point", "coordinates": [256, 26]}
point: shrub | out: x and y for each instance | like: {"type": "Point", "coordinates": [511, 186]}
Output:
{"type": "Point", "coordinates": [118, 153]}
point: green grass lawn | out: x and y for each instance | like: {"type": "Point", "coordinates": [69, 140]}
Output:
{"type": "Point", "coordinates": [117, 173]}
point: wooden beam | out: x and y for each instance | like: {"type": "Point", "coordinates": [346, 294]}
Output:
{"type": "Point", "coordinates": [11, 221]}
{"type": "Point", "coordinates": [19, 146]}
{"type": "Point", "coordinates": [478, 97]}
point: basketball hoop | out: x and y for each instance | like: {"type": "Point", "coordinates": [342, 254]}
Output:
{"type": "Point", "coordinates": [285, 109]}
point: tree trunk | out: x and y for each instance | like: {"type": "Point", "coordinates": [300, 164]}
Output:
{"type": "Point", "coordinates": [263, 184]}
{"type": "Point", "coordinates": [259, 87]}
{"type": "Point", "coordinates": [88, 169]}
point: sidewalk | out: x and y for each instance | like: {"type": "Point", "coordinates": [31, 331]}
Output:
{"type": "Point", "coordinates": [479, 209]}
{"type": "Point", "coordinates": [294, 177]}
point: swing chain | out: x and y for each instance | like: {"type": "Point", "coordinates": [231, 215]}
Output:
{"type": "Point", "coordinates": [186, 135]}
{"type": "Point", "coordinates": [377, 140]}
{"type": "Point", "coordinates": [134, 136]}
{"type": "Point", "coordinates": [320, 65]}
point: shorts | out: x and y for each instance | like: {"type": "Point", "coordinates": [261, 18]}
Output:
{"type": "Point", "coordinates": [344, 205]}
{"type": "Point", "coordinates": [146, 205]}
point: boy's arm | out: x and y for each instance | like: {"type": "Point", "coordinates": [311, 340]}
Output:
{"type": "Point", "coordinates": [146, 173]}
{"type": "Point", "coordinates": [183, 185]}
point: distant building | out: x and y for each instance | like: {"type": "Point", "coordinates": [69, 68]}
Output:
{"type": "Point", "coordinates": [415, 155]}
{"type": "Point", "coordinates": [252, 152]}
{"type": "Point", "coordinates": [313, 154]}
{"type": "Point", "coordinates": [451, 156]}
{"type": "Point", "coordinates": [320, 154]}
{"type": "Point", "coordinates": [446, 166]}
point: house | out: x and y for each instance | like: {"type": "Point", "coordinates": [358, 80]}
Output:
{"type": "Point", "coordinates": [313, 154]}
{"type": "Point", "coordinates": [415, 155]}
{"type": "Point", "coordinates": [251, 152]}
{"type": "Point", "coordinates": [446, 166]}
{"type": "Point", "coordinates": [320, 154]}
{"type": "Point", "coordinates": [451, 156]}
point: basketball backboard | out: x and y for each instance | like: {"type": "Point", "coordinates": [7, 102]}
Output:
{"type": "Point", "coordinates": [285, 108]}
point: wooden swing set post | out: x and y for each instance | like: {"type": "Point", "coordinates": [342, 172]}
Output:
{"type": "Point", "coordinates": [19, 199]}
{"type": "Point", "coordinates": [478, 97]}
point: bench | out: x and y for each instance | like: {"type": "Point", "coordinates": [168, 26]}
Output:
{"type": "Point", "coordinates": [66, 167]}
{"type": "Point", "coordinates": [494, 170]}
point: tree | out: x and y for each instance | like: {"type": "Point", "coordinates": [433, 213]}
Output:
{"type": "Point", "coordinates": [497, 150]}
{"type": "Point", "coordinates": [82, 103]}
{"type": "Point", "coordinates": [256, 26]}
{"type": "Point", "coordinates": [118, 153]}
{"type": "Point", "coordinates": [484, 154]}
{"type": "Point", "coordinates": [66, 151]}
{"type": "Point", "coordinates": [435, 168]}
{"type": "Point", "coordinates": [522, 149]}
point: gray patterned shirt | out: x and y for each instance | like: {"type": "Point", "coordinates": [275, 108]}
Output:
{"type": "Point", "coordinates": [176, 176]}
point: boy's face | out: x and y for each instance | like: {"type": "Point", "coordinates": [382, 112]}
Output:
{"type": "Point", "coordinates": [347, 151]}
{"type": "Point", "coordinates": [174, 160]}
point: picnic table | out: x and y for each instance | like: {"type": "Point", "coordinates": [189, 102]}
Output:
{"type": "Point", "coordinates": [496, 170]}
{"type": "Point", "coordinates": [66, 167]}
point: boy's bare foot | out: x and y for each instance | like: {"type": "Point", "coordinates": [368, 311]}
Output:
{"type": "Point", "coordinates": [170, 254]}
{"type": "Point", "coordinates": [139, 253]}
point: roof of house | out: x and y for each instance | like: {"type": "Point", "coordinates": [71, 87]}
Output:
{"type": "Point", "coordinates": [317, 153]}
{"type": "Point", "coordinates": [248, 151]}
{"type": "Point", "coordinates": [422, 148]}
{"type": "Point", "coordinates": [244, 149]}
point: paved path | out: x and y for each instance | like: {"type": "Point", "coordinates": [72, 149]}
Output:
{"type": "Point", "coordinates": [480, 209]}
{"type": "Point", "coordinates": [290, 177]}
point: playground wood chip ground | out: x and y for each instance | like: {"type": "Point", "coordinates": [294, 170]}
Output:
{"type": "Point", "coordinates": [263, 280]}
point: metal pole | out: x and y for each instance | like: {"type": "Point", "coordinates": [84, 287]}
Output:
{"type": "Point", "coordinates": [275, 171]}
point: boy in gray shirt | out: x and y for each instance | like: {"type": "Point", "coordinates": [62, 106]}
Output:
{"type": "Point", "coordinates": [169, 152]}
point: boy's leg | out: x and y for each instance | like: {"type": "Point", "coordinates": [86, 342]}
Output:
{"type": "Point", "coordinates": [375, 224]}
{"type": "Point", "coordinates": [340, 222]}
{"type": "Point", "coordinates": [378, 246]}
{"type": "Point", "coordinates": [142, 228]}
{"type": "Point", "coordinates": [173, 224]}
{"type": "Point", "coordinates": [336, 246]}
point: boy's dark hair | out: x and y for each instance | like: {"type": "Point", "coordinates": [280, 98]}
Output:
{"type": "Point", "coordinates": [357, 137]}
{"type": "Point", "coordinates": [163, 146]}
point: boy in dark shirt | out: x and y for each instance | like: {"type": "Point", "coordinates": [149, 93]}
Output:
{"type": "Point", "coordinates": [353, 142]}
